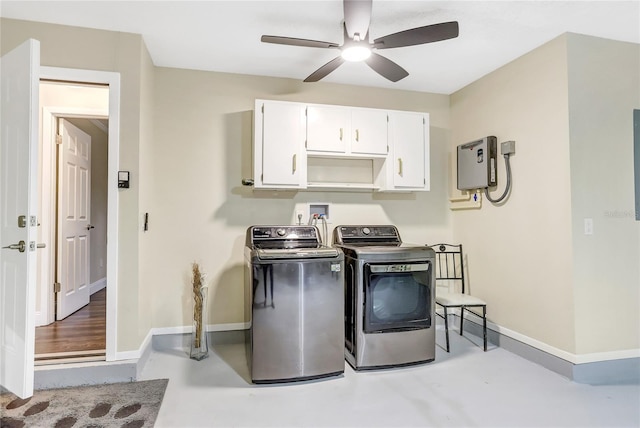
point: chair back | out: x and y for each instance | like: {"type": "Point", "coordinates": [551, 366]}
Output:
{"type": "Point", "coordinates": [449, 269]}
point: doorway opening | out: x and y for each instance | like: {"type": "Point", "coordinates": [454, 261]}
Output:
{"type": "Point", "coordinates": [72, 327]}
{"type": "Point", "coordinates": [77, 274]}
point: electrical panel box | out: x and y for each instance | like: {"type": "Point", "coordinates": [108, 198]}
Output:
{"type": "Point", "coordinates": [477, 164]}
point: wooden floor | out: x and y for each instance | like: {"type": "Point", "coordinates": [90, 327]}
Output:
{"type": "Point", "coordinates": [80, 335]}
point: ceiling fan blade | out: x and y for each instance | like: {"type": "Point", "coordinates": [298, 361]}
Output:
{"type": "Point", "coordinates": [418, 36]}
{"type": "Point", "coordinates": [325, 69]}
{"type": "Point", "coordinates": [386, 68]}
{"type": "Point", "coordinates": [297, 42]}
{"type": "Point", "coordinates": [357, 16]}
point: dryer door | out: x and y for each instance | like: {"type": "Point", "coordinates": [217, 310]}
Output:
{"type": "Point", "coordinates": [397, 296]}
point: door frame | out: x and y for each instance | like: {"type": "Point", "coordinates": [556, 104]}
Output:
{"type": "Point", "coordinates": [112, 80]}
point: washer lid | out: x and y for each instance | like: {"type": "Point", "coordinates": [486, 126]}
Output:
{"type": "Point", "coordinates": [297, 253]}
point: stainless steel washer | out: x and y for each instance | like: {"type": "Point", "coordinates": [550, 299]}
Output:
{"type": "Point", "coordinates": [297, 304]}
{"type": "Point", "coordinates": [389, 298]}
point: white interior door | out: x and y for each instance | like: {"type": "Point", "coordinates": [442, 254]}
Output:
{"type": "Point", "coordinates": [19, 77]}
{"type": "Point", "coordinates": [74, 213]}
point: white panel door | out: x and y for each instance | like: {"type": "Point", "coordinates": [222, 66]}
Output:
{"type": "Point", "coordinates": [19, 75]}
{"type": "Point", "coordinates": [74, 213]}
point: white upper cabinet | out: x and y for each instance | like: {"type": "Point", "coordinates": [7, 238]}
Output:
{"type": "Point", "coordinates": [279, 158]}
{"type": "Point", "coordinates": [328, 129]}
{"type": "Point", "coordinates": [346, 131]}
{"type": "Point", "coordinates": [369, 131]}
{"type": "Point", "coordinates": [408, 164]}
{"type": "Point", "coordinates": [311, 146]}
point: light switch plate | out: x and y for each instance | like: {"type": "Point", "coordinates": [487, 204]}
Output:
{"type": "Point", "coordinates": [588, 226]}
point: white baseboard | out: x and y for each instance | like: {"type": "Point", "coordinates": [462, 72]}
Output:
{"type": "Point", "coordinates": [132, 355]}
{"type": "Point", "coordinates": [98, 285]}
{"type": "Point", "coordinates": [210, 327]}
{"type": "Point", "coordinates": [567, 356]}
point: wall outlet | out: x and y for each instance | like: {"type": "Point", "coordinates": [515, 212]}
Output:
{"type": "Point", "coordinates": [588, 226]}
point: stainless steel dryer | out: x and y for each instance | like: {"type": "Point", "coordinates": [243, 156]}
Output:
{"type": "Point", "coordinates": [389, 298]}
{"type": "Point", "coordinates": [297, 304]}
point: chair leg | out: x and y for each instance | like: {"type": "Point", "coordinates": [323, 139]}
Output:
{"type": "Point", "coordinates": [484, 326]}
{"type": "Point", "coordinates": [461, 318]}
{"type": "Point", "coordinates": [446, 327]}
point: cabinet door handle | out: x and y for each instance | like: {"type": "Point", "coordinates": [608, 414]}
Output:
{"type": "Point", "coordinates": [400, 167]}
{"type": "Point", "coordinates": [294, 164]}
{"type": "Point", "coordinates": [340, 134]}
{"type": "Point", "coordinates": [357, 135]}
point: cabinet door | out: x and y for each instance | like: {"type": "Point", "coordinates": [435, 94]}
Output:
{"type": "Point", "coordinates": [369, 132]}
{"type": "Point", "coordinates": [327, 129]}
{"type": "Point", "coordinates": [282, 141]}
{"type": "Point", "coordinates": [410, 150]}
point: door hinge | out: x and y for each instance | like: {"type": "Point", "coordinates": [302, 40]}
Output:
{"type": "Point", "coordinates": [58, 139]}
{"type": "Point", "coordinates": [424, 121]}
{"type": "Point", "coordinates": [262, 109]}
{"type": "Point", "coordinates": [56, 287]}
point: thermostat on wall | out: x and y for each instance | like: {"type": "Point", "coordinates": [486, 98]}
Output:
{"type": "Point", "coordinates": [123, 179]}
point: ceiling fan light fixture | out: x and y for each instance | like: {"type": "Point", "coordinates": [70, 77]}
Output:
{"type": "Point", "coordinates": [357, 47]}
{"type": "Point", "coordinates": [356, 53]}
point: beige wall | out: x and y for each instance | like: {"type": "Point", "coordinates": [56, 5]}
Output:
{"type": "Point", "coordinates": [147, 176]}
{"type": "Point", "coordinates": [568, 105]}
{"type": "Point", "coordinates": [200, 212]}
{"type": "Point", "coordinates": [520, 252]}
{"type": "Point", "coordinates": [604, 88]}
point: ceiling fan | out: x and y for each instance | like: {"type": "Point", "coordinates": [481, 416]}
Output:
{"type": "Point", "coordinates": [356, 45]}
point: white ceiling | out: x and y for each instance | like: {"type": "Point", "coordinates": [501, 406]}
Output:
{"type": "Point", "coordinates": [225, 35]}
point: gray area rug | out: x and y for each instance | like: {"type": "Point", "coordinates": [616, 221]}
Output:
{"type": "Point", "coordinates": [131, 405]}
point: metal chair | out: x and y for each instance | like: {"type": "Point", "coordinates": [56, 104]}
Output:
{"type": "Point", "coordinates": [450, 272]}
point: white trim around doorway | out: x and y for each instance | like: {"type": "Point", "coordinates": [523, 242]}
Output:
{"type": "Point", "coordinates": [111, 79]}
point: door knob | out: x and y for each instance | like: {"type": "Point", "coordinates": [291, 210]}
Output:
{"type": "Point", "coordinates": [20, 246]}
{"type": "Point", "coordinates": [89, 227]}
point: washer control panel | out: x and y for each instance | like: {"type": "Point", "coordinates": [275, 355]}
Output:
{"type": "Point", "coordinates": [260, 233]}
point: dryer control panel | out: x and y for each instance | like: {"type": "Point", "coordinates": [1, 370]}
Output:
{"type": "Point", "coordinates": [365, 233]}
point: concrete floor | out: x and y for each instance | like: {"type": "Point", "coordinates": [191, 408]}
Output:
{"type": "Point", "coordinates": [466, 388]}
